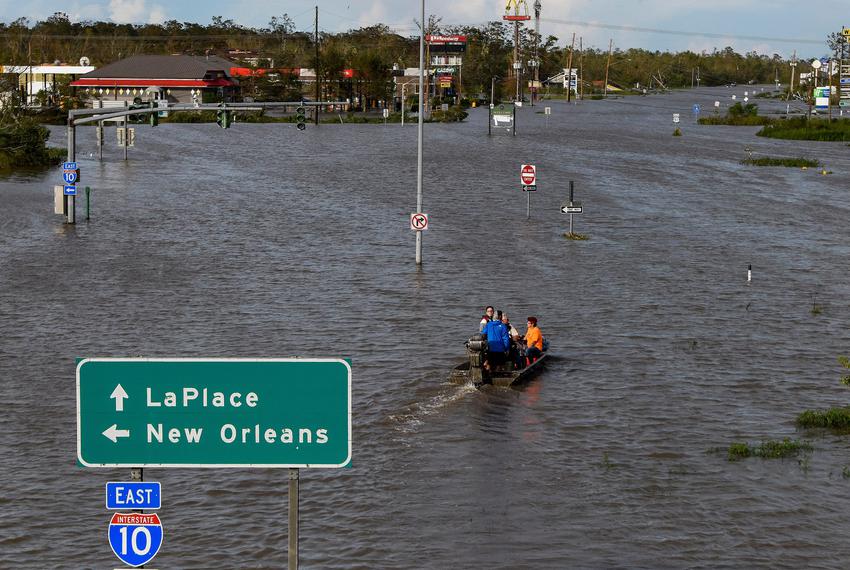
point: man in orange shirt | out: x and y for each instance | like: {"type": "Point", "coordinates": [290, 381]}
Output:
{"type": "Point", "coordinates": [533, 340]}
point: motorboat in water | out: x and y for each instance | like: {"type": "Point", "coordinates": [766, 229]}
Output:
{"type": "Point", "coordinates": [476, 370]}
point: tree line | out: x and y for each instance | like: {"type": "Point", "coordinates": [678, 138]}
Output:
{"type": "Point", "coordinates": [373, 51]}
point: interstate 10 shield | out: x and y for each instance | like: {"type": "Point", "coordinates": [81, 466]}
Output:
{"type": "Point", "coordinates": [135, 538]}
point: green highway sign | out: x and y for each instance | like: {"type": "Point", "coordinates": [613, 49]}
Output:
{"type": "Point", "coordinates": [229, 412]}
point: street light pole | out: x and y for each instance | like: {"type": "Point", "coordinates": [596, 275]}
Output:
{"type": "Point", "coordinates": [421, 124]}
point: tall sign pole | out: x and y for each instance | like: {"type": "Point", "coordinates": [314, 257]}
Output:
{"type": "Point", "coordinates": [70, 200]}
{"type": "Point", "coordinates": [318, 85]}
{"type": "Point", "coordinates": [421, 124]}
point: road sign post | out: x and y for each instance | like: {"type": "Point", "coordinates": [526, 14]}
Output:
{"type": "Point", "coordinates": [528, 179]}
{"type": "Point", "coordinates": [571, 207]}
{"type": "Point", "coordinates": [172, 412]}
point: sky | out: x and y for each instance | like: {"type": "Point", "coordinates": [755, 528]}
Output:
{"type": "Point", "coordinates": [764, 26]}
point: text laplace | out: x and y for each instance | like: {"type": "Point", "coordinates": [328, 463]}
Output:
{"type": "Point", "coordinates": [190, 396]}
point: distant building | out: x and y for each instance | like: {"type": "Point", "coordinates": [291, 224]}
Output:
{"type": "Point", "coordinates": [40, 84]}
{"type": "Point", "coordinates": [172, 78]}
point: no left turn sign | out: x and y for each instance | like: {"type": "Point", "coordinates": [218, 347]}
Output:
{"type": "Point", "coordinates": [418, 221]}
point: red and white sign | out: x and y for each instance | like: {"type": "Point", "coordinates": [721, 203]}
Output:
{"type": "Point", "coordinates": [443, 40]}
{"type": "Point", "coordinates": [528, 175]}
{"type": "Point", "coordinates": [418, 221]}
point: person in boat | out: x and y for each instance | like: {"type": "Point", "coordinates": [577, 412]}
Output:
{"type": "Point", "coordinates": [498, 342]}
{"type": "Point", "coordinates": [533, 340]}
{"type": "Point", "coordinates": [514, 352]}
{"type": "Point", "coordinates": [488, 316]}
{"type": "Point", "coordinates": [512, 332]}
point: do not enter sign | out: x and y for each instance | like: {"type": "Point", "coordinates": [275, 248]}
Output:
{"type": "Point", "coordinates": [418, 221]}
{"type": "Point", "coordinates": [528, 175]}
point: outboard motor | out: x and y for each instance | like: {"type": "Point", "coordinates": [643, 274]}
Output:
{"type": "Point", "coordinates": [476, 349]}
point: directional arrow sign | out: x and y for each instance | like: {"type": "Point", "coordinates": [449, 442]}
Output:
{"type": "Point", "coordinates": [119, 395]}
{"type": "Point", "coordinates": [112, 433]}
{"type": "Point", "coordinates": [138, 412]}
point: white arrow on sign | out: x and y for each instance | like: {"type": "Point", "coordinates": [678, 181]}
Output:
{"type": "Point", "coordinates": [112, 433]}
{"type": "Point", "coordinates": [119, 395]}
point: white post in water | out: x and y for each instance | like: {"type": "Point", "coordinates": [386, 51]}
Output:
{"type": "Point", "coordinates": [749, 273]}
{"type": "Point", "coordinates": [421, 123]}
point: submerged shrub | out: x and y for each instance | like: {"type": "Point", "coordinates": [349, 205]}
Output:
{"type": "Point", "coordinates": [771, 449]}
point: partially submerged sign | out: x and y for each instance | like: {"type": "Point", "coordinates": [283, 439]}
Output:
{"type": "Point", "coordinates": [503, 117]}
{"type": "Point", "coordinates": [172, 412]}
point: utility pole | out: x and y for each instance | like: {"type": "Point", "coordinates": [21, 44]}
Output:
{"type": "Point", "coordinates": [607, 65]}
{"type": "Point", "coordinates": [793, 68]}
{"type": "Point", "coordinates": [537, 7]}
{"type": "Point", "coordinates": [517, 62]}
{"type": "Point", "coordinates": [581, 68]}
{"type": "Point", "coordinates": [318, 85]}
{"type": "Point", "coordinates": [829, 65]}
{"type": "Point", "coordinates": [570, 70]}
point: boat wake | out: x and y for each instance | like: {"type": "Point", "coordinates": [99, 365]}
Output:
{"type": "Point", "coordinates": [415, 413]}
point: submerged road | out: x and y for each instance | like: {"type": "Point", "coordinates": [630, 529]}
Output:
{"type": "Point", "coordinates": [262, 241]}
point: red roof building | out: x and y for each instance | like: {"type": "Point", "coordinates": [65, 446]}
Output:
{"type": "Point", "coordinates": [173, 78]}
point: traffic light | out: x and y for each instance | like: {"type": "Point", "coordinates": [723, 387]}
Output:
{"type": "Point", "coordinates": [300, 118]}
{"type": "Point", "coordinates": [154, 116]}
{"type": "Point", "coordinates": [223, 118]}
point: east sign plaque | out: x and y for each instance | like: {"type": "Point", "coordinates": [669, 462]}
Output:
{"type": "Point", "coordinates": [172, 412]}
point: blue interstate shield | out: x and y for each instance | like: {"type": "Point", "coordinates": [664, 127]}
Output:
{"type": "Point", "coordinates": [135, 538]}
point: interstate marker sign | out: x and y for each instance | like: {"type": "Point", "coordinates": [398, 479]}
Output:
{"type": "Point", "coordinates": [135, 538]}
{"type": "Point", "coordinates": [186, 412]}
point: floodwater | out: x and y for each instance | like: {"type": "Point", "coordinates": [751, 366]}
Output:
{"type": "Point", "coordinates": [262, 241]}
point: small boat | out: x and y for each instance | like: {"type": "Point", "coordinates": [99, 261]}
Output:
{"type": "Point", "coordinates": [474, 371]}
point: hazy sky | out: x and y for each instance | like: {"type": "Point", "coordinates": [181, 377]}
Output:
{"type": "Point", "coordinates": [676, 25]}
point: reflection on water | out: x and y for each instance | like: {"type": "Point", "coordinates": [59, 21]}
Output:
{"type": "Point", "coordinates": [263, 241]}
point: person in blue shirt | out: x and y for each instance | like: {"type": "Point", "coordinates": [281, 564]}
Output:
{"type": "Point", "coordinates": [498, 342]}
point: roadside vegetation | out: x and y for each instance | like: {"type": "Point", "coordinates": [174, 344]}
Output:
{"type": "Point", "coordinates": [738, 115]}
{"type": "Point", "coordinates": [23, 141]}
{"type": "Point", "coordinates": [836, 420]}
{"type": "Point", "coordinates": [790, 162]}
{"type": "Point", "coordinates": [771, 449]}
{"type": "Point", "coordinates": [806, 129]}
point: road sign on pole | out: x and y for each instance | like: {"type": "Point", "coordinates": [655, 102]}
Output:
{"type": "Point", "coordinates": [135, 538]}
{"type": "Point", "coordinates": [130, 495]}
{"type": "Point", "coordinates": [528, 175]}
{"type": "Point", "coordinates": [418, 221]}
{"type": "Point", "coordinates": [173, 412]}
{"type": "Point", "coordinates": [69, 190]}
{"type": "Point", "coordinates": [571, 208]}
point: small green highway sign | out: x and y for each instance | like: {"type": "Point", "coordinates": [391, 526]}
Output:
{"type": "Point", "coordinates": [228, 412]}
